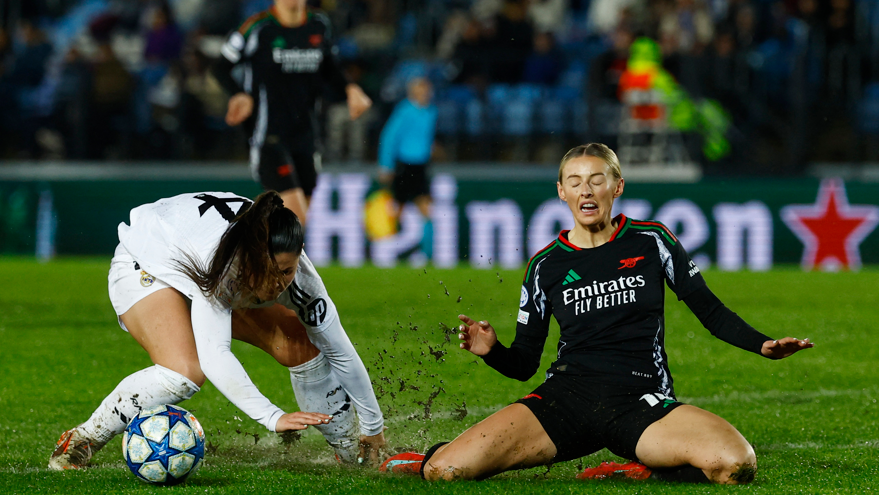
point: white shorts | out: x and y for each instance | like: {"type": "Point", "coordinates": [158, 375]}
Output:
{"type": "Point", "coordinates": [128, 283]}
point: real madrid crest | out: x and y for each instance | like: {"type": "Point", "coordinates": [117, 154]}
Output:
{"type": "Point", "coordinates": [146, 279]}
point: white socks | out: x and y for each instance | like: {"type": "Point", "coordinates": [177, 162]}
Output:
{"type": "Point", "coordinates": [317, 389]}
{"type": "Point", "coordinates": [150, 387]}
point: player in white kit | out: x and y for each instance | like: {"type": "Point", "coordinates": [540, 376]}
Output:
{"type": "Point", "coordinates": [194, 271]}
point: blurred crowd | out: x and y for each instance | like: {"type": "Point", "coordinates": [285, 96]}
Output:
{"type": "Point", "coordinates": [514, 79]}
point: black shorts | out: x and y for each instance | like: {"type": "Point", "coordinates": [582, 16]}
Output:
{"type": "Point", "coordinates": [410, 181]}
{"type": "Point", "coordinates": [283, 164]}
{"type": "Point", "coordinates": [582, 418]}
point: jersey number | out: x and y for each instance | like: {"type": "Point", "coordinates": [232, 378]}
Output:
{"type": "Point", "coordinates": [221, 204]}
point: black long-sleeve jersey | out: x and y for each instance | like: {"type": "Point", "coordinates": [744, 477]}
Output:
{"type": "Point", "coordinates": [609, 303]}
{"type": "Point", "coordinates": [285, 70]}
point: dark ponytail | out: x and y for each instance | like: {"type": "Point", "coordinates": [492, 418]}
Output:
{"type": "Point", "coordinates": [256, 234]}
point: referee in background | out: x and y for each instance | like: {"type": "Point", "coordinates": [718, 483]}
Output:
{"type": "Point", "coordinates": [404, 151]}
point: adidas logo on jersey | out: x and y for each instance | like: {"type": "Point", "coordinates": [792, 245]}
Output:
{"type": "Point", "coordinates": [571, 277]}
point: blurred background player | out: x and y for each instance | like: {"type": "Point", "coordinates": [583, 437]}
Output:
{"type": "Point", "coordinates": [287, 58]}
{"type": "Point", "coordinates": [404, 153]}
{"type": "Point", "coordinates": [243, 275]}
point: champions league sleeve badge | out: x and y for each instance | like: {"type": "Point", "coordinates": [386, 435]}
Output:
{"type": "Point", "coordinates": [523, 298]}
{"type": "Point", "coordinates": [146, 279]}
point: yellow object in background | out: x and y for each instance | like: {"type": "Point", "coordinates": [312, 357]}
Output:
{"type": "Point", "coordinates": [380, 215]}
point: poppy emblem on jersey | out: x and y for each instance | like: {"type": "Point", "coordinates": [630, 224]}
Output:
{"type": "Point", "coordinates": [630, 262]}
{"type": "Point", "coordinates": [146, 279]}
{"type": "Point", "coordinates": [315, 39]}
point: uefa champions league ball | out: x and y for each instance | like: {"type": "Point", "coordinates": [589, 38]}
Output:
{"type": "Point", "coordinates": [163, 445]}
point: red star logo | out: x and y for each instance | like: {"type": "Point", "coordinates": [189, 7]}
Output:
{"type": "Point", "coordinates": [831, 229]}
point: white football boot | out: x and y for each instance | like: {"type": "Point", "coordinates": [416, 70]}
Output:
{"type": "Point", "coordinates": [73, 451]}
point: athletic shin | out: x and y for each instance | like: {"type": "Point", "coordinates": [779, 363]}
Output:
{"type": "Point", "coordinates": [317, 389]}
{"type": "Point", "coordinates": [150, 387]}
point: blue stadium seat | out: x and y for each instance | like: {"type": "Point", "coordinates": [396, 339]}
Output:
{"type": "Point", "coordinates": [459, 93]}
{"type": "Point", "coordinates": [553, 116]}
{"type": "Point", "coordinates": [574, 76]}
{"type": "Point", "coordinates": [528, 92]}
{"type": "Point", "coordinates": [511, 107]}
{"type": "Point", "coordinates": [452, 114]}
{"type": "Point", "coordinates": [448, 119]}
{"type": "Point", "coordinates": [868, 110]}
{"type": "Point", "coordinates": [407, 30]}
{"type": "Point", "coordinates": [474, 118]}
{"type": "Point", "coordinates": [518, 117]}
{"type": "Point", "coordinates": [498, 94]}
{"type": "Point", "coordinates": [555, 113]}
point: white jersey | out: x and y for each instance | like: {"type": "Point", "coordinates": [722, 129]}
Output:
{"type": "Point", "coordinates": [163, 233]}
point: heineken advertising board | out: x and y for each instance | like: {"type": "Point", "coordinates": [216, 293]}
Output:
{"type": "Point", "coordinates": [730, 224]}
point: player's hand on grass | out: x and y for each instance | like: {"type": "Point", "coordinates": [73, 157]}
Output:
{"type": "Point", "coordinates": [478, 336]}
{"type": "Point", "coordinates": [301, 420]}
{"type": "Point", "coordinates": [240, 107]}
{"type": "Point", "coordinates": [783, 348]}
{"type": "Point", "coordinates": [373, 449]}
{"type": "Point", "coordinates": [358, 102]}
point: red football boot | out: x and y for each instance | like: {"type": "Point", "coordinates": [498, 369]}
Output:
{"type": "Point", "coordinates": [405, 463]}
{"type": "Point", "coordinates": [72, 451]}
{"type": "Point", "coordinates": [631, 470]}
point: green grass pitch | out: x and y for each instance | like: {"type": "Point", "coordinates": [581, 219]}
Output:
{"type": "Point", "coordinates": [812, 418]}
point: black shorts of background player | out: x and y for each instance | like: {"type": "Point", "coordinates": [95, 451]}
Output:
{"type": "Point", "coordinates": [604, 283]}
{"type": "Point", "coordinates": [287, 59]}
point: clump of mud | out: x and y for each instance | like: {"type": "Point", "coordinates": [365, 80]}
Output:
{"type": "Point", "coordinates": [407, 373]}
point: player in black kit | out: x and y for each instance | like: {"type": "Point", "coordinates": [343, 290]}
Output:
{"type": "Point", "coordinates": [604, 282]}
{"type": "Point", "coordinates": [287, 57]}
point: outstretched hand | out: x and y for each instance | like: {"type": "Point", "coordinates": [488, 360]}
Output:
{"type": "Point", "coordinates": [783, 348]}
{"type": "Point", "coordinates": [301, 420]}
{"type": "Point", "coordinates": [478, 336]}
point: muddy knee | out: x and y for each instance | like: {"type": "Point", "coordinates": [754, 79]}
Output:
{"type": "Point", "coordinates": [736, 467]}
{"type": "Point", "coordinates": [440, 468]}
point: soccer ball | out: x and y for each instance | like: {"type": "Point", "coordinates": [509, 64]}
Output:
{"type": "Point", "coordinates": [163, 445]}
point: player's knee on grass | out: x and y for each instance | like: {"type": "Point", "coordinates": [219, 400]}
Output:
{"type": "Point", "coordinates": [736, 466]}
{"type": "Point", "coordinates": [442, 467]}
